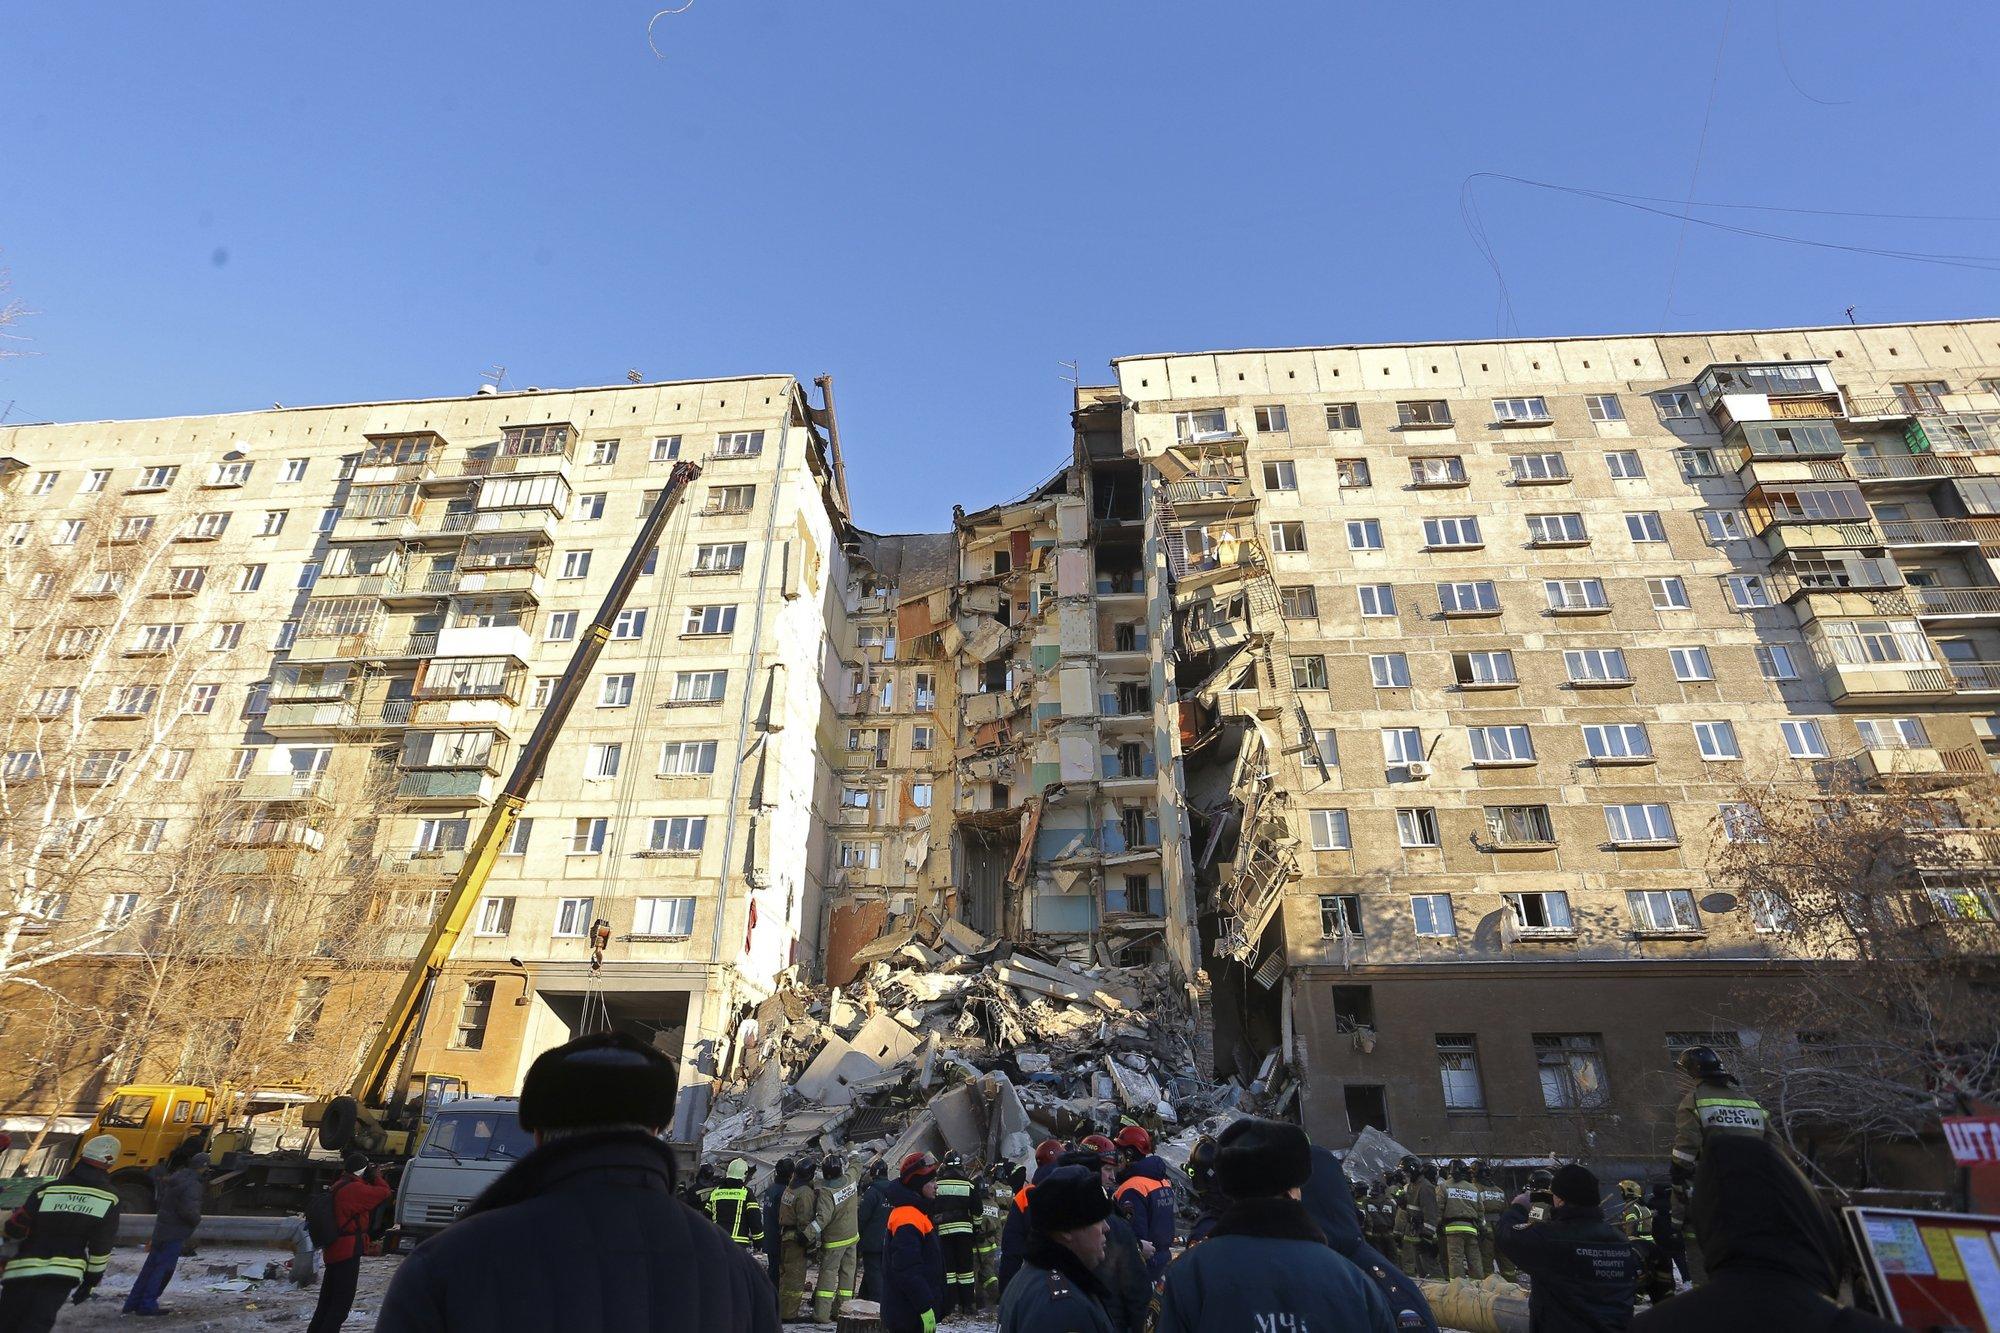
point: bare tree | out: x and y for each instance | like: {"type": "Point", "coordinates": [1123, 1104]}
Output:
{"type": "Point", "coordinates": [1884, 886]}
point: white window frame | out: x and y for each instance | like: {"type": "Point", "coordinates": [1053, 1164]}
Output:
{"type": "Point", "coordinates": [1604, 407]}
{"type": "Point", "coordinates": [1453, 532]}
{"type": "Point", "coordinates": [1329, 830]}
{"type": "Point", "coordinates": [615, 690]}
{"type": "Point", "coordinates": [1617, 461]}
{"type": "Point", "coordinates": [1691, 663]}
{"type": "Point", "coordinates": [1804, 738]}
{"type": "Point", "coordinates": [1364, 534]}
{"type": "Point", "coordinates": [1616, 741]}
{"type": "Point", "coordinates": [1389, 671]}
{"type": "Point", "coordinates": [573, 918]}
{"type": "Point", "coordinates": [1431, 900]}
{"type": "Point", "coordinates": [1502, 744]}
{"type": "Point", "coordinates": [663, 918]}
{"type": "Point", "coordinates": [1416, 826]}
{"type": "Point", "coordinates": [1640, 822]}
{"type": "Point", "coordinates": [1383, 597]}
{"type": "Point", "coordinates": [1716, 741]}
{"type": "Point", "coordinates": [1669, 593]}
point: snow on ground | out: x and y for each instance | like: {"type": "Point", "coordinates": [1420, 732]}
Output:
{"type": "Point", "coordinates": [201, 1298]}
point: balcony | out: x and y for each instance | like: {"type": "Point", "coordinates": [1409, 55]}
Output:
{"type": "Point", "coordinates": [423, 865]}
{"type": "Point", "coordinates": [509, 641]}
{"type": "Point", "coordinates": [308, 715]}
{"type": "Point", "coordinates": [416, 469]}
{"type": "Point", "coordinates": [381, 643]}
{"type": "Point", "coordinates": [1210, 494]}
{"type": "Point", "coordinates": [272, 833]}
{"type": "Point", "coordinates": [1975, 678]}
{"type": "Point", "coordinates": [1885, 682]}
{"type": "Point", "coordinates": [1961, 604]}
{"type": "Point", "coordinates": [284, 788]}
{"type": "Point", "coordinates": [1794, 537]}
{"type": "Point", "coordinates": [1208, 427]}
{"type": "Point", "coordinates": [1938, 531]}
{"type": "Point", "coordinates": [1921, 765]}
{"type": "Point", "coordinates": [1886, 470]}
{"type": "Point", "coordinates": [368, 526]}
{"type": "Point", "coordinates": [530, 580]}
{"type": "Point", "coordinates": [446, 787]}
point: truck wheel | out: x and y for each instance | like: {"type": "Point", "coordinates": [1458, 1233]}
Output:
{"type": "Point", "coordinates": [338, 1122]}
{"type": "Point", "coordinates": [135, 1193]}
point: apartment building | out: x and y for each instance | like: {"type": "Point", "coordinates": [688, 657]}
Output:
{"type": "Point", "coordinates": [411, 577]}
{"type": "Point", "coordinates": [1472, 650]}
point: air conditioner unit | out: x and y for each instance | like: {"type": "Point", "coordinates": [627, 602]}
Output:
{"type": "Point", "coordinates": [1418, 770]}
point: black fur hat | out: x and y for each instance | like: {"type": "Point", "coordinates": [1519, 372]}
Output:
{"type": "Point", "coordinates": [606, 1078]}
{"type": "Point", "coordinates": [1256, 1158]}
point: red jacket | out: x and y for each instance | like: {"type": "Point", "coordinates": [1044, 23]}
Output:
{"type": "Point", "coordinates": [354, 1201]}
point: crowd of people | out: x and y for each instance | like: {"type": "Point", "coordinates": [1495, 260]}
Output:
{"type": "Point", "coordinates": [592, 1232]}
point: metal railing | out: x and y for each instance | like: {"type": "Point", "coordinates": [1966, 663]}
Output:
{"type": "Point", "coordinates": [1909, 467]}
{"type": "Point", "coordinates": [1954, 601]}
{"type": "Point", "coordinates": [1975, 677]}
{"type": "Point", "coordinates": [1927, 531]}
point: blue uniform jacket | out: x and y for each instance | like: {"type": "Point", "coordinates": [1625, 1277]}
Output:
{"type": "Point", "coordinates": [1266, 1266]}
{"type": "Point", "coordinates": [1053, 1293]}
{"type": "Point", "coordinates": [913, 1265]}
{"type": "Point", "coordinates": [1329, 1198]}
{"type": "Point", "coordinates": [1146, 1197]}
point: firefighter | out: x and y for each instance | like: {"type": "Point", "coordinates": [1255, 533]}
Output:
{"type": "Point", "coordinates": [1209, 1200]}
{"type": "Point", "coordinates": [735, 1209]}
{"type": "Point", "coordinates": [1430, 1217]}
{"type": "Point", "coordinates": [1145, 1196]}
{"type": "Point", "coordinates": [994, 1195]}
{"type": "Point", "coordinates": [837, 1226]}
{"type": "Point", "coordinates": [1403, 1203]}
{"type": "Point", "coordinates": [955, 1211]}
{"type": "Point", "coordinates": [797, 1238]}
{"type": "Point", "coordinates": [1492, 1203]}
{"type": "Point", "coordinates": [1462, 1222]}
{"type": "Point", "coordinates": [66, 1229]}
{"type": "Point", "coordinates": [1635, 1219]}
{"type": "Point", "coordinates": [913, 1271]}
{"type": "Point", "coordinates": [1714, 1104]}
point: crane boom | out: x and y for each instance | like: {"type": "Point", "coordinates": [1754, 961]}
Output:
{"type": "Point", "coordinates": [449, 922]}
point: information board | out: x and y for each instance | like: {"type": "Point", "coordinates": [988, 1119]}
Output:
{"type": "Point", "coordinates": [1932, 1272]}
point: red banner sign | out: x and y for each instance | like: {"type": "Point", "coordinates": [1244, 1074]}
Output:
{"type": "Point", "coordinates": [1974, 1139]}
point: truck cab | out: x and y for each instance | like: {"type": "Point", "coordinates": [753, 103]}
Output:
{"type": "Point", "coordinates": [149, 1120]}
{"type": "Point", "coordinates": [468, 1143]}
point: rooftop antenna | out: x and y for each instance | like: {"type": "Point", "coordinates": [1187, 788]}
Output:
{"type": "Point", "coordinates": [1075, 377]}
{"type": "Point", "coordinates": [1850, 314]}
{"type": "Point", "coordinates": [496, 377]}
{"type": "Point", "coordinates": [633, 375]}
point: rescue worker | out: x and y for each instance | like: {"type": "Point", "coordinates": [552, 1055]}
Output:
{"type": "Point", "coordinates": [1492, 1203]}
{"type": "Point", "coordinates": [1122, 1270]}
{"type": "Point", "coordinates": [773, 1196]}
{"type": "Point", "coordinates": [837, 1227]}
{"type": "Point", "coordinates": [955, 1210]}
{"type": "Point", "coordinates": [1014, 1232]}
{"type": "Point", "coordinates": [1635, 1219]}
{"type": "Point", "coordinates": [1585, 1276]}
{"type": "Point", "coordinates": [357, 1192]}
{"type": "Point", "coordinates": [1667, 1238]}
{"type": "Point", "coordinates": [1329, 1200]}
{"type": "Point", "coordinates": [874, 1223]}
{"type": "Point", "coordinates": [796, 1239]}
{"type": "Point", "coordinates": [1408, 1224]}
{"type": "Point", "coordinates": [1057, 1290]}
{"type": "Point", "coordinates": [995, 1192]}
{"type": "Point", "coordinates": [735, 1210]}
{"type": "Point", "coordinates": [1046, 1153]}
{"type": "Point", "coordinates": [1714, 1104]}
{"type": "Point", "coordinates": [66, 1229]}
{"type": "Point", "coordinates": [1209, 1200]}
{"type": "Point", "coordinates": [913, 1267]}
{"type": "Point", "coordinates": [1460, 1205]}
{"type": "Point", "coordinates": [696, 1195]}
{"type": "Point", "coordinates": [1145, 1196]}
{"type": "Point", "coordinates": [1430, 1218]}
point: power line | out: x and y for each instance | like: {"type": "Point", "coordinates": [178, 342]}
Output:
{"type": "Point", "coordinates": [1700, 149]}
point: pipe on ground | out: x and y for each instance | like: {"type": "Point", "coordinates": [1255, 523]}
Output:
{"type": "Point", "coordinates": [1487, 1306]}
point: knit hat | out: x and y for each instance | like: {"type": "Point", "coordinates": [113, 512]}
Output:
{"type": "Point", "coordinates": [101, 1151]}
{"type": "Point", "coordinates": [606, 1078]}
{"type": "Point", "coordinates": [1576, 1185]}
{"type": "Point", "coordinates": [1255, 1158]}
{"type": "Point", "coordinates": [354, 1161]}
{"type": "Point", "coordinates": [1068, 1199]}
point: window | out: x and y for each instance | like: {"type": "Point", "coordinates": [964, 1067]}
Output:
{"type": "Point", "coordinates": [1716, 740]}
{"type": "Point", "coordinates": [18, 533]}
{"type": "Point", "coordinates": [1669, 594]}
{"type": "Point", "coordinates": [587, 836]}
{"type": "Point", "coordinates": [1543, 913]}
{"type": "Point", "coordinates": [174, 765]}
{"type": "Point", "coordinates": [1769, 913]}
{"type": "Point", "coordinates": [1343, 416]}
{"type": "Point", "coordinates": [699, 686]}
{"type": "Point", "coordinates": [859, 855]}
{"type": "Point", "coordinates": [1892, 733]}
{"type": "Point", "coordinates": [1571, 1069]}
{"type": "Point", "coordinates": [1416, 826]}
{"type": "Point", "coordinates": [147, 835]}
{"type": "Point", "coordinates": [739, 444]}
{"type": "Point", "coordinates": [1617, 741]}
{"type": "Point", "coordinates": [682, 834]}
{"type": "Point", "coordinates": [687, 758]}
{"type": "Point", "coordinates": [1645, 527]}
{"type": "Point", "coordinates": [1402, 745]}
{"type": "Point", "coordinates": [921, 738]}
{"type": "Point", "coordinates": [666, 449]}
{"type": "Point", "coordinates": [287, 635]}
{"type": "Point", "coordinates": [1364, 534]}
{"type": "Point", "coordinates": [308, 574]}
{"type": "Point", "coordinates": [1324, 744]}
{"type": "Point", "coordinates": [272, 523]}
{"type": "Point", "coordinates": [601, 760]}
{"type": "Point", "coordinates": [1519, 825]}
{"type": "Point", "coordinates": [495, 917]}
{"type": "Point", "coordinates": [202, 698]}
{"type": "Point", "coordinates": [920, 795]}
{"type": "Point", "coordinates": [1377, 599]}
{"type": "Point", "coordinates": [156, 478]}
{"type": "Point", "coordinates": [1675, 405]}
{"type": "Point", "coordinates": [855, 798]}
{"type": "Point", "coordinates": [1431, 916]}
{"type": "Point", "coordinates": [1557, 530]}
{"type": "Point", "coordinates": [68, 531]}
{"type": "Point", "coordinates": [1294, 603]}
{"type": "Point", "coordinates": [95, 480]}
{"type": "Point", "coordinates": [257, 699]}
{"type": "Point", "coordinates": [1329, 830]}
{"type": "Point", "coordinates": [327, 518]}
{"type": "Point", "coordinates": [730, 500]}
{"type": "Point", "coordinates": [1922, 395]}
{"type": "Point", "coordinates": [1340, 916]}
{"type": "Point", "coordinates": [573, 916]}
{"type": "Point", "coordinates": [1697, 464]}
{"type": "Point", "coordinates": [709, 620]}
{"type": "Point", "coordinates": [180, 579]}
{"type": "Point", "coordinates": [1624, 465]}
{"type": "Point", "coordinates": [663, 918]}
{"type": "Point", "coordinates": [133, 700]}
{"type": "Point", "coordinates": [560, 627]}
{"type": "Point", "coordinates": [1480, 598]}
{"type": "Point", "coordinates": [1721, 525]}
{"type": "Point", "coordinates": [1532, 469]}
{"type": "Point", "coordinates": [1596, 666]}
{"type": "Point", "coordinates": [1459, 533]}
{"type": "Point", "coordinates": [1515, 410]}
{"type": "Point", "coordinates": [1288, 537]}
{"type": "Point", "coordinates": [1604, 407]}
{"type": "Point", "coordinates": [575, 565]}
{"type": "Point", "coordinates": [1443, 471]}
{"type": "Point", "coordinates": [1663, 911]}
{"type": "Point", "coordinates": [1639, 823]}
{"type": "Point", "coordinates": [1309, 672]}
{"type": "Point", "coordinates": [1803, 740]}
{"type": "Point", "coordinates": [1270, 419]}
{"type": "Point", "coordinates": [1502, 745]}
{"type": "Point", "coordinates": [1351, 474]}
{"type": "Point", "coordinates": [1690, 664]}
{"type": "Point", "coordinates": [204, 527]}
{"type": "Point", "coordinates": [1576, 594]}
{"type": "Point", "coordinates": [229, 474]}
{"type": "Point", "coordinates": [1479, 669]}
{"type": "Point", "coordinates": [1428, 412]}
{"type": "Point", "coordinates": [517, 838]}
{"type": "Point", "coordinates": [603, 452]}
{"type": "Point", "coordinates": [308, 1006]}
{"type": "Point", "coordinates": [1389, 671]}
{"type": "Point", "coordinates": [1280, 475]}
{"type": "Point", "coordinates": [294, 470]}
{"type": "Point", "coordinates": [615, 691]}
{"type": "Point", "coordinates": [131, 528]}
{"type": "Point", "coordinates": [249, 578]}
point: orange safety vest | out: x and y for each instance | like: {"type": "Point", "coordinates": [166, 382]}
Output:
{"type": "Point", "coordinates": [1021, 1197]}
{"type": "Point", "coordinates": [903, 1215]}
{"type": "Point", "coordinates": [1142, 1185]}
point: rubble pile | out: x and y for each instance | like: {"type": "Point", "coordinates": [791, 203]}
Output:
{"type": "Point", "coordinates": [945, 1043]}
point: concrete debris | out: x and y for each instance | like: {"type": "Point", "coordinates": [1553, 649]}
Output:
{"type": "Point", "coordinates": [947, 1042]}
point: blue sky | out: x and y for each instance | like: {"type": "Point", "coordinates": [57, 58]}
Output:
{"type": "Point", "coordinates": [219, 206]}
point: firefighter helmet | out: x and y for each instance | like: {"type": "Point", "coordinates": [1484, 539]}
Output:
{"type": "Point", "coordinates": [1701, 1062]}
{"type": "Point", "coordinates": [917, 1168]}
{"type": "Point", "coordinates": [1631, 1189]}
{"type": "Point", "coordinates": [1136, 1138]}
{"type": "Point", "coordinates": [1201, 1164]}
{"type": "Point", "coordinates": [1047, 1151]}
{"type": "Point", "coordinates": [1106, 1150]}
{"type": "Point", "coordinates": [739, 1169]}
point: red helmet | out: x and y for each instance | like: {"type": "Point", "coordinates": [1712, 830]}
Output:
{"type": "Point", "coordinates": [917, 1166]}
{"type": "Point", "coordinates": [1047, 1151]}
{"type": "Point", "coordinates": [1136, 1138]}
{"type": "Point", "coordinates": [1100, 1145]}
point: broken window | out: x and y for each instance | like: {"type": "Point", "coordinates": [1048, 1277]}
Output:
{"type": "Point", "coordinates": [1353, 1008]}
{"type": "Point", "coordinates": [1340, 915]}
{"type": "Point", "coordinates": [1571, 1068]}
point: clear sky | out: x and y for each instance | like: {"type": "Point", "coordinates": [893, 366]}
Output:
{"type": "Point", "coordinates": [216, 206]}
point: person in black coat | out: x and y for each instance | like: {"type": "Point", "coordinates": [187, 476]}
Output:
{"type": "Point", "coordinates": [1585, 1272]}
{"type": "Point", "coordinates": [1122, 1271]}
{"type": "Point", "coordinates": [873, 1218]}
{"type": "Point", "coordinates": [1774, 1252]}
{"type": "Point", "coordinates": [1667, 1238]}
{"type": "Point", "coordinates": [1057, 1290]}
{"type": "Point", "coordinates": [1329, 1199]}
{"type": "Point", "coordinates": [781, 1180]}
{"type": "Point", "coordinates": [585, 1233]}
